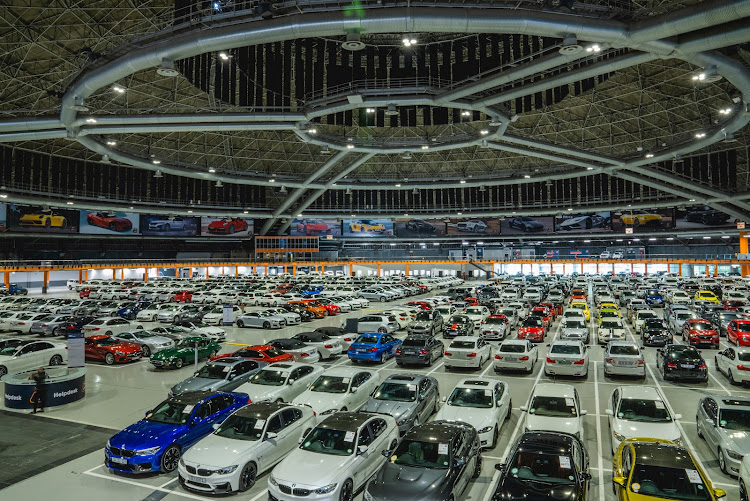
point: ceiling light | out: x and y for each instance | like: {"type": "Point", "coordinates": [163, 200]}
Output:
{"type": "Point", "coordinates": [726, 111]}
{"type": "Point", "coordinates": [406, 215]}
{"type": "Point", "coordinates": [425, 147]}
{"type": "Point", "coordinates": [484, 132]}
{"type": "Point", "coordinates": [670, 238]}
{"type": "Point", "coordinates": [157, 174]}
{"type": "Point", "coordinates": [465, 113]}
{"type": "Point", "coordinates": [211, 170]}
{"type": "Point", "coordinates": [91, 120]}
{"type": "Point", "coordinates": [370, 110]}
{"type": "Point", "coordinates": [652, 239]}
{"type": "Point", "coordinates": [69, 203]}
{"type": "Point", "coordinates": [299, 215]}
{"type": "Point", "coordinates": [692, 200]}
{"type": "Point", "coordinates": [398, 185]}
{"type": "Point", "coordinates": [649, 155]}
{"type": "Point", "coordinates": [282, 189]}
{"type": "Point", "coordinates": [219, 184]}
{"type": "Point", "coordinates": [349, 146]}
{"type": "Point", "coordinates": [435, 243]}
{"type": "Point", "coordinates": [619, 240]}
{"type": "Point", "coordinates": [726, 236]}
{"type": "Point", "coordinates": [272, 180]}
{"type": "Point", "coordinates": [325, 151]}
{"type": "Point", "coordinates": [118, 89]}
{"type": "Point", "coordinates": [105, 159]}
{"type": "Point", "coordinates": [246, 212]}
{"type": "Point", "coordinates": [593, 48]}
{"type": "Point", "coordinates": [464, 243]}
{"type": "Point", "coordinates": [131, 208]}
{"type": "Point", "coordinates": [570, 208]}
{"type": "Point", "coordinates": [167, 68]}
{"type": "Point", "coordinates": [526, 176]}
{"type": "Point", "coordinates": [589, 168]}
{"type": "Point", "coordinates": [312, 131]}
{"type": "Point", "coordinates": [224, 56]}
{"type": "Point", "coordinates": [353, 215]}
{"type": "Point", "coordinates": [706, 238]}
{"type": "Point", "coordinates": [190, 212]}
{"type": "Point", "coordinates": [587, 241]}
{"type": "Point", "coordinates": [700, 135]}
{"type": "Point", "coordinates": [3, 195]}
{"type": "Point", "coordinates": [391, 111]}
{"type": "Point", "coordinates": [636, 240]}
{"type": "Point", "coordinates": [155, 162]}
{"type": "Point", "coordinates": [639, 148]}
{"type": "Point", "coordinates": [459, 213]}
{"type": "Point", "coordinates": [111, 143]}
{"type": "Point", "coordinates": [463, 181]}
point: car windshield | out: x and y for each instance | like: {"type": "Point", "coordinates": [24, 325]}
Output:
{"type": "Point", "coordinates": [684, 353]}
{"type": "Point", "coordinates": [398, 392]}
{"type": "Point", "coordinates": [186, 343]}
{"type": "Point", "coordinates": [700, 326]}
{"type": "Point", "coordinates": [643, 410]}
{"type": "Point", "coordinates": [538, 467]}
{"type": "Point", "coordinates": [270, 377]}
{"type": "Point", "coordinates": [107, 341]}
{"type": "Point", "coordinates": [213, 371]}
{"type": "Point", "coordinates": [367, 339]}
{"type": "Point", "coordinates": [665, 482]}
{"type": "Point", "coordinates": [512, 348]}
{"type": "Point", "coordinates": [684, 315]}
{"type": "Point", "coordinates": [531, 322]}
{"type": "Point", "coordinates": [495, 321]}
{"type": "Point", "coordinates": [423, 316]}
{"type": "Point", "coordinates": [646, 314]}
{"type": "Point", "coordinates": [474, 311]}
{"type": "Point", "coordinates": [735, 419]}
{"type": "Point", "coordinates": [169, 412]}
{"type": "Point", "coordinates": [330, 384]}
{"type": "Point", "coordinates": [744, 328]}
{"type": "Point", "coordinates": [241, 428]}
{"type": "Point", "coordinates": [565, 349]}
{"type": "Point", "coordinates": [623, 349]}
{"type": "Point", "coordinates": [328, 441]}
{"type": "Point", "coordinates": [574, 324]}
{"type": "Point", "coordinates": [552, 406]}
{"type": "Point", "coordinates": [418, 454]}
{"type": "Point", "coordinates": [610, 325]}
{"type": "Point", "coordinates": [471, 397]}
{"type": "Point", "coordinates": [463, 344]}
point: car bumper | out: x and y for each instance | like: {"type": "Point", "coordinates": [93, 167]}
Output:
{"type": "Point", "coordinates": [686, 374]}
{"type": "Point", "coordinates": [331, 352]}
{"type": "Point", "coordinates": [367, 357]}
{"type": "Point", "coordinates": [624, 370]}
{"type": "Point", "coordinates": [706, 341]}
{"type": "Point", "coordinates": [417, 359]}
{"type": "Point", "coordinates": [462, 362]}
{"type": "Point", "coordinates": [132, 465]}
{"type": "Point", "coordinates": [493, 335]}
{"type": "Point", "coordinates": [275, 493]}
{"type": "Point", "coordinates": [657, 341]}
{"type": "Point", "coordinates": [509, 365]}
{"type": "Point", "coordinates": [213, 484]}
{"type": "Point", "coordinates": [536, 338]}
{"type": "Point", "coordinates": [558, 369]}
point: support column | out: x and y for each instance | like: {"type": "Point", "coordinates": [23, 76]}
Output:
{"type": "Point", "coordinates": [645, 269]}
{"type": "Point", "coordinates": [255, 269]}
{"type": "Point", "coordinates": [122, 274]}
{"type": "Point", "coordinates": [597, 267]}
{"type": "Point", "coordinates": [85, 275]}
{"type": "Point", "coordinates": [80, 276]}
{"type": "Point", "coordinates": [706, 269]}
{"type": "Point", "coordinates": [45, 281]}
{"type": "Point", "coordinates": [679, 269]}
{"type": "Point", "coordinates": [322, 269]}
{"type": "Point", "coordinates": [351, 270]}
{"type": "Point", "coordinates": [145, 276]}
{"type": "Point", "coordinates": [294, 269]}
{"type": "Point", "coordinates": [236, 271]}
{"type": "Point", "coordinates": [581, 266]}
{"type": "Point", "coordinates": [378, 269]}
{"type": "Point", "coordinates": [190, 272]}
{"type": "Point", "coordinates": [716, 269]}
{"type": "Point", "coordinates": [206, 272]}
{"type": "Point", "coordinates": [631, 267]}
{"type": "Point", "coordinates": [114, 273]}
{"type": "Point", "coordinates": [745, 268]}
{"type": "Point", "coordinates": [6, 279]}
{"type": "Point", "coordinates": [550, 268]}
{"type": "Point", "coordinates": [406, 267]}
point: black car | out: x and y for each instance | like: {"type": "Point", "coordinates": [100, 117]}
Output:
{"type": "Point", "coordinates": [544, 465]}
{"type": "Point", "coordinates": [304, 314]}
{"type": "Point", "coordinates": [677, 361]}
{"type": "Point", "coordinates": [434, 461]}
{"type": "Point", "coordinates": [74, 324]}
{"type": "Point", "coordinates": [526, 224]}
{"type": "Point", "coordinates": [458, 325]}
{"type": "Point", "coordinates": [420, 349]}
{"type": "Point", "coordinates": [657, 336]}
{"type": "Point", "coordinates": [721, 318]}
{"type": "Point", "coordinates": [427, 322]}
{"type": "Point", "coordinates": [707, 310]}
{"type": "Point", "coordinates": [420, 226]}
{"type": "Point", "coordinates": [654, 323]}
{"type": "Point", "coordinates": [705, 215]}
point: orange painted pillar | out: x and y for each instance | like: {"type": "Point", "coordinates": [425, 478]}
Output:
{"type": "Point", "coordinates": [85, 275]}
{"type": "Point", "coordinates": [379, 269]}
{"type": "Point", "coordinates": [294, 269]}
{"type": "Point", "coordinates": [322, 269]}
{"type": "Point", "coordinates": [645, 269]}
{"type": "Point", "coordinates": [597, 267]}
{"type": "Point", "coordinates": [743, 250]}
{"type": "Point", "coordinates": [206, 272]}
{"type": "Point", "coordinates": [122, 274]}
{"type": "Point", "coordinates": [6, 278]}
{"type": "Point", "coordinates": [80, 276]}
{"type": "Point", "coordinates": [407, 269]}
{"type": "Point", "coordinates": [190, 272]}
{"type": "Point", "coordinates": [716, 269]}
{"type": "Point", "coordinates": [351, 270]}
{"type": "Point", "coordinates": [145, 275]}
{"type": "Point", "coordinates": [581, 267]}
{"type": "Point", "coordinates": [550, 268]}
{"type": "Point", "coordinates": [679, 269]}
{"type": "Point", "coordinates": [706, 269]}
{"type": "Point", "coordinates": [255, 269]}
{"type": "Point", "coordinates": [45, 280]}
{"type": "Point", "coordinates": [236, 271]}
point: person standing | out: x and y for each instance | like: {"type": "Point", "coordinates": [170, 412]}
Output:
{"type": "Point", "coordinates": [40, 377]}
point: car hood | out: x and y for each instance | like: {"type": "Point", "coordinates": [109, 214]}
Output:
{"type": "Point", "coordinates": [144, 434]}
{"type": "Point", "coordinates": [218, 224]}
{"type": "Point", "coordinates": [396, 409]}
{"type": "Point", "coordinates": [632, 429]}
{"type": "Point", "coordinates": [513, 489]}
{"type": "Point", "coordinates": [319, 469]}
{"type": "Point", "coordinates": [407, 483]}
{"type": "Point", "coordinates": [561, 424]}
{"type": "Point", "coordinates": [217, 452]}
{"type": "Point", "coordinates": [574, 331]}
{"type": "Point", "coordinates": [738, 441]}
{"type": "Point", "coordinates": [319, 401]}
{"type": "Point", "coordinates": [478, 418]}
{"type": "Point", "coordinates": [198, 383]}
{"type": "Point", "coordinates": [124, 346]}
{"type": "Point", "coordinates": [261, 393]}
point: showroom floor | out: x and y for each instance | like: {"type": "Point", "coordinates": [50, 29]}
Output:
{"type": "Point", "coordinates": [117, 396]}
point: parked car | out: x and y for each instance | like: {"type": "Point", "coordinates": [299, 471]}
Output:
{"type": "Point", "coordinates": [738, 332]}
{"type": "Point", "coordinates": [184, 352]}
{"type": "Point", "coordinates": [373, 347]}
{"type": "Point", "coordinates": [516, 354]}
{"type": "Point", "coordinates": [467, 351]}
{"type": "Point", "coordinates": [734, 363]}
{"type": "Point", "coordinates": [426, 322]}
{"type": "Point", "coordinates": [723, 422]}
{"type": "Point", "coordinates": [554, 407]}
{"type": "Point", "coordinates": [567, 358]}
{"type": "Point", "coordinates": [410, 398]}
{"type": "Point", "coordinates": [458, 325]}
{"type": "Point", "coordinates": [377, 323]}
{"type": "Point", "coordinates": [419, 349]}
{"type": "Point", "coordinates": [261, 319]}
{"type": "Point", "coordinates": [280, 381]}
{"type": "Point", "coordinates": [624, 358]}
{"type": "Point", "coordinates": [148, 341]}
{"type": "Point", "coordinates": [532, 329]}
{"type": "Point", "coordinates": [340, 389]}
{"type": "Point", "coordinates": [224, 374]}
{"type": "Point", "coordinates": [23, 355]}
{"type": "Point", "coordinates": [110, 326]}
{"type": "Point", "coordinates": [298, 349]}
{"type": "Point", "coordinates": [261, 353]}
{"type": "Point", "coordinates": [681, 362]}
{"type": "Point", "coordinates": [111, 350]}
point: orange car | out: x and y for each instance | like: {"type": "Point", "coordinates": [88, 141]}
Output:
{"type": "Point", "coordinates": [578, 295]}
{"type": "Point", "coordinates": [316, 308]}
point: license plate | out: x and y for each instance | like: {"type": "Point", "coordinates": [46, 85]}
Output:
{"type": "Point", "coordinates": [564, 362]}
{"type": "Point", "coordinates": [511, 359]}
{"type": "Point", "coordinates": [361, 351]}
{"type": "Point", "coordinates": [118, 460]}
{"type": "Point", "coordinates": [688, 366]}
{"type": "Point", "coordinates": [197, 480]}
{"type": "Point", "coordinates": [623, 362]}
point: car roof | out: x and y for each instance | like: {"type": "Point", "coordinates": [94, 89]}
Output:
{"type": "Point", "coordinates": [192, 397]}
{"type": "Point", "coordinates": [642, 392]}
{"type": "Point", "coordinates": [346, 371]}
{"type": "Point", "coordinates": [554, 390]}
{"type": "Point", "coordinates": [406, 378]}
{"type": "Point", "coordinates": [436, 431]}
{"type": "Point", "coordinates": [227, 361]}
{"type": "Point", "coordinates": [554, 442]}
{"type": "Point", "coordinates": [262, 410]}
{"type": "Point", "coordinates": [466, 338]}
{"type": "Point", "coordinates": [662, 454]}
{"type": "Point", "coordinates": [622, 343]}
{"type": "Point", "coordinates": [420, 336]}
{"type": "Point", "coordinates": [347, 421]}
{"type": "Point", "coordinates": [477, 382]}
{"type": "Point", "coordinates": [567, 342]}
{"type": "Point", "coordinates": [522, 342]}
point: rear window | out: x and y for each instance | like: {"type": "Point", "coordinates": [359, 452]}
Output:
{"type": "Point", "coordinates": [419, 343]}
{"type": "Point", "coordinates": [624, 350]}
{"type": "Point", "coordinates": [462, 344]}
{"type": "Point", "coordinates": [512, 348]}
{"type": "Point", "coordinates": [96, 322]}
{"type": "Point", "coordinates": [565, 349]}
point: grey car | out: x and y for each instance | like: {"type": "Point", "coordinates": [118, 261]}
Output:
{"type": "Point", "coordinates": [419, 349]}
{"type": "Point", "coordinates": [47, 325]}
{"type": "Point", "coordinates": [426, 322]}
{"type": "Point", "coordinates": [434, 461]}
{"type": "Point", "coordinates": [574, 329]}
{"type": "Point", "coordinates": [148, 341]}
{"type": "Point", "coordinates": [724, 422]}
{"type": "Point", "coordinates": [224, 374]}
{"type": "Point", "coordinates": [410, 398]}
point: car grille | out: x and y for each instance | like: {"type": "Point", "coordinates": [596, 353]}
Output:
{"type": "Point", "coordinates": [198, 471]}
{"type": "Point", "coordinates": [122, 452]}
{"type": "Point", "coordinates": [295, 492]}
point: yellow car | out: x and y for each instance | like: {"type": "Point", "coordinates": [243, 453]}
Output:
{"type": "Point", "coordinates": [608, 313]}
{"type": "Point", "coordinates": [648, 469]}
{"type": "Point", "coordinates": [46, 219]}
{"type": "Point", "coordinates": [706, 296]}
{"type": "Point", "coordinates": [366, 226]}
{"type": "Point", "coordinates": [578, 305]}
{"type": "Point", "coordinates": [609, 306]}
{"type": "Point", "coordinates": [641, 218]}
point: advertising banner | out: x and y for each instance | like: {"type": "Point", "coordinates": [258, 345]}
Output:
{"type": "Point", "coordinates": [110, 222]}
{"type": "Point", "coordinates": [702, 216]}
{"type": "Point", "coordinates": [368, 228]}
{"type": "Point", "coordinates": [466, 227]}
{"type": "Point", "coordinates": [524, 225]}
{"type": "Point", "coordinates": [219, 226]}
{"type": "Point", "coordinates": [36, 219]}
{"type": "Point", "coordinates": [641, 220]}
{"type": "Point", "coordinates": [587, 222]}
{"type": "Point", "coordinates": [76, 349]}
{"type": "Point", "coordinates": [3, 218]}
{"type": "Point", "coordinates": [169, 226]}
{"type": "Point", "coordinates": [419, 227]}
{"type": "Point", "coordinates": [310, 227]}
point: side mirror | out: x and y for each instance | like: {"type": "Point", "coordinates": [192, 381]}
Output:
{"type": "Point", "coordinates": [524, 408]}
{"type": "Point", "coordinates": [147, 413]}
{"type": "Point", "coordinates": [215, 426]}
{"type": "Point", "coordinates": [677, 417]}
{"type": "Point", "coordinates": [583, 413]}
{"type": "Point", "coordinates": [720, 493]}
{"type": "Point", "coordinates": [609, 412]}
{"type": "Point", "coordinates": [444, 399]}
{"type": "Point", "coordinates": [585, 476]}
{"type": "Point", "coordinates": [710, 422]}
{"type": "Point", "coordinates": [362, 449]}
{"type": "Point", "coordinates": [385, 453]}
{"type": "Point", "coordinates": [195, 421]}
{"type": "Point", "coordinates": [291, 381]}
{"type": "Point", "coordinates": [620, 481]}
{"type": "Point", "coordinates": [499, 403]}
{"type": "Point", "coordinates": [458, 462]}
{"type": "Point", "coordinates": [499, 466]}
{"type": "Point", "coordinates": [353, 390]}
{"type": "Point", "coordinates": [271, 435]}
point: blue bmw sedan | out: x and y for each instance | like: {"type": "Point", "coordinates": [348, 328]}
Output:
{"type": "Point", "coordinates": [373, 347]}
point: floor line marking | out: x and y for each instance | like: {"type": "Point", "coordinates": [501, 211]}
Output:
{"type": "Point", "coordinates": [167, 483]}
{"type": "Point", "coordinates": [436, 367]}
{"type": "Point", "coordinates": [146, 486]}
{"type": "Point", "coordinates": [598, 433]}
{"type": "Point", "coordinates": [92, 469]}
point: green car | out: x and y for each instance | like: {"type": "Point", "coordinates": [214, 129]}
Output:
{"type": "Point", "coordinates": [184, 352]}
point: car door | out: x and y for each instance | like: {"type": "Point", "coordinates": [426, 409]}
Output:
{"type": "Point", "coordinates": [732, 332]}
{"type": "Point", "coordinates": [90, 350]}
{"type": "Point", "coordinates": [202, 419]}
{"type": "Point", "coordinates": [239, 374]}
{"type": "Point", "coordinates": [459, 452]}
{"type": "Point", "coordinates": [723, 359]}
{"type": "Point", "coordinates": [614, 402]}
{"type": "Point", "coordinates": [710, 408]}
{"type": "Point", "coordinates": [376, 428]}
{"type": "Point", "coordinates": [425, 400]}
{"type": "Point", "coordinates": [502, 402]}
{"type": "Point", "coordinates": [23, 359]}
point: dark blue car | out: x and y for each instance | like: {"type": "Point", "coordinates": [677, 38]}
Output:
{"type": "Point", "coordinates": [373, 347]}
{"type": "Point", "coordinates": [654, 298]}
{"type": "Point", "coordinates": [156, 442]}
{"type": "Point", "coordinates": [130, 311]}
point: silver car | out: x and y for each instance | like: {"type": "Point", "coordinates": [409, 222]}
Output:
{"type": "Point", "coordinates": [261, 319]}
{"type": "Point", "coordinates": [724, 422]}
{"type": "Point", "coordinates": [624, 358]}
{"type": "Point", "coordinates": [410, 398]}
{"type": "Point", "coordinates": [224, 374]}
{"type": "Point", "coordinates": [574, 329]}
{"type": "Point", "coordinates": [148, 341]}
{"type": "Point", "coordinates": [48, 325]}
{"type": "Point", "coordinates": [377, 323]}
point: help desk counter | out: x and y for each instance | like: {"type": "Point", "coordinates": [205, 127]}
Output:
{"type": "Point", "coordinates": [64, 385]}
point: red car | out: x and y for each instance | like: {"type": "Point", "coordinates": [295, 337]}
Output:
{"type": "Point", "coordinates": [424, 305]}
{"type": "Point", "coordinates": [578, 295]}
{"type": "Point", "coordinates": [698, 331]}
{"type": "Point", "coordinates": [309, 226]}
{"type": "Point", "coordinates": [183, 296]}
{"type": "Point", "coordinates": [532, 329]}
{"type": "Point", "coordinates": [113, 223]}
{"type": "Point", "coordinates": [261, 353]}
{"type": "Point", "coordinates": [227, 225]}
{"type": "Point", "coordinates": [84, 293]}
{"type": "Point", "coordinates": [732, 305]}
{"type": "Point", "coordinates": [111, 350]}
{"type": "Point", "coordinates": [542, 313]}
{"type": "Point", "coordinates": [555, 309]}
{"type": "Point", "coordinates": [738, 332]}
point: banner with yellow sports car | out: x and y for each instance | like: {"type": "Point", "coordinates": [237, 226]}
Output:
{"type": "Point", "coordinates": [368, 228]}
{"type": "Point", "coordinates": [36, 219]}
{"type": "Point", "coordinates": [643, 220]}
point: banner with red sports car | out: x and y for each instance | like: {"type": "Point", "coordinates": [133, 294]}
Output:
{"type": "Point", "coordinates": [102, 222]}
{"type": "Point", "coordinates": [226, 226]}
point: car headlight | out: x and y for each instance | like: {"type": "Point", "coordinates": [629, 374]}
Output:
{"type": "Point", "coordinates": [678, 440]}
{"type": "Point", "coordinates": [734, 455]}
{"type": "Point", "coordinates": [147, 452]}
{"type": "Point", "coordinates": [182, 462]}
{"type": "Point", "coordinates": [325, 490]}
{"type": "Point", "coordinates": [618, 436]}
{"type": "Point", "coordinates": [107, 446]}
{"type": "Point", "coordinates": [486, 429]}
{"type": "Point", "coordinates": [227, 470]}
{"type": "Point", "coordinates": [120, 352]}
{"type": "Point", "coordinates": [329, 411]}
{"type": "Point", "coordinates": [272, 481]}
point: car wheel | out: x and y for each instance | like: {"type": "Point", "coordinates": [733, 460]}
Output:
{"type": "Point", "coordinates": [47, 223]}
{"type": "Point", "coordinates": [247, 476]}
{"type": "Point", "coordinates": [266, 325]}
{"type": "Point", "coordinates": [146, 351]}
{"type": "Point", "coordinates": [170, 459]}
{"type": "Point", "coordinates": [231, 230]}
{"type": "Point", "coordinates": [176, 319]}
{"type": "Point", "coordinates": [3, 370]}
{"type": "Point", "coordinates": [382, 299]}
{"type": "Point", "coordinates": [732, 381]}
{"type": "Point", "coordinates": [240, 324]}
{"type": "Point", "coordinates": [55, 360]}
{"type": "Point", "coordinates": [347, 491]}
{"type": "Point", "coordinates": [722, 462]}
{"type": "Point", "coordinates": [109, 359]}
{"type": "Point", "coordinates": [382, 358]}
{"type": "Point", "coordinates": [495, 434]}
{"type": "Point", "coordinates": [382, 330]}
{"type": "Point", "coordinates": [167, 227]}
{"type": "Point", "coordinates": [108, 333]}
{"type": "Point", "coordinates": [532, 367]}
{"type": "Point", "coordinates": [477, 467]}
{"type": "Point", "coordinates": [112, 227]}
{"type": "Point", "coordinates": [179, 363]}
{"type": "Point", "coordinates": [743, 491]}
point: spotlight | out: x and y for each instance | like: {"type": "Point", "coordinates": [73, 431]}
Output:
{"type": "Point", "coordinates": [594, 48]}
{"type": "Point", "coordinates": [391, 111]}
{"type": "Point", "coordinates": [325, 151]}
{"type": "Point", "coordinates": [312, 131]}
{"type": "Point", "coordinates": [118, 89]}
{"type": "Point", "coordinates": [349, 146]}
{"type": "Point", "coordinates": [700, 135]}
{"type": "Point", "coordinates": [78, 105]}
{"type": "Point", "coordinates": [211, 170]}
{"type": "Point", "coordinates": [158, 174]}
{"type": "Point", "coordinates": [425, 147]}
{"type": "Point", "coordinates": [272, 180]}
{"type": "Point", "coordinates": [526, 176]}
{"type": "Point", "coordinates": [589, 168]}
{"type": "Point", "coordinates": [649, 155]}
{"type": "Point", "coordinates": [484, 132]}
{"type": "Point", "coordinates": [155, 162]}
{"type": "Point", "coordinates": [370, 110]}
{"type": "Point", "coordinates": [167, 68]}
{"type": "Point", "coordinates": [224, 56]}
{"type": "Point", "coordinates": [69, 203]}
{"type": "Point", "coordinates": [353, 41]}
{"type": "Point", "coordinates": [105, 159]}
{"type": "Point", "coordinates": [91, 120]}
{"type": "Point", "coordinates": [219, 184]}
{"type": "Point", "coordinates": [406, 155]}
{"type": "Point", "coordinates": [398, 185]}
{"type": "Point", "coordinates": [111, 143]}
{"type": "Point", "coordinates": [465, 113]}
{"type": "Point", "coordinates": [726, 111]}
{"type": "Point", "coordinates": [282, 189]}
{"type": "Point", "coordinates": [463, 181]}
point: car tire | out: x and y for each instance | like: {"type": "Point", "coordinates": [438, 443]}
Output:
{"type": "Point", "coordinates": [146, 351]}
{"type": "Point", "coordinates": [3, 370]}
{"type": "Point", "coordinates": [347, 491]}
{"type": "Point", "coordinates": [495, 436]}
{"type": "Point", "coordinates": [56, 360]}
{"type": "Point", "coordinates": [139, 327]}
{"type": "Point", "coordinates": [382, 358]}
{"type": "Point", "coordinates": [109, 359]}
{"type": "Point", "coordinates": [266, 325]}
{"type": "Point", "coordinates": [112, 227]}
{"type": "Point", "coordinates": [382, 330]}
{"type": "Point", "coordinates": [732, 381]}
{"type": "Point", "coordinates": [108, 333]}
{"type": "Point", "coordinates": [247, 477]}
{"type": "Point", "coordinates": [743, 491]}
{"type": "Point", "coordinates": [240, 324]}
{"type": "Point", "coordinates": [170, 459]}
{"type": "Point", "coordinates": [179, 363]}
{"type": "Point", "coordinates": [477, 467]}
{"type": "Point", "coordinates": [382, 299]}
{"type": "Point", "coordinates": [722, 462]}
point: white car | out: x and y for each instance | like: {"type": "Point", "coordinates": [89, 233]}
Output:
{"type": "Point", "coordinates": [291, 317]}
{"type": "Point", "coordinates": [299, 350]}
{"type": "Point", "coordinates": [516, 354]}
{"type": "Point", "coordinates": [149, 314]}
{"type": "Point", "coordinates": [6, 317]}
{"type": "Point", "coordinates": [328, 347]}
{"type": "Point", "coordinates": [641, 411]}
{"type": "Point", "coordinates": [554, 407]}
{"type": "Point", "coordinates": [336, 458]}
{"type": "Point", "coordinates": [31, 355]}
{"type": "Point", "coordinates": [574, 328]}
{"type": "Point", "coordinates": [216, 315]}
{"type": "Point", "coordinates": [617, 255]}
{"type": "Point", "coordinates": [605, 255]}
{"type": "Point", "coordinates": [624, 358]}
{"type": "Point", "coordinates": [446, 310]}
{"type": "Point", "coordinates": [467, 351]}
{"type": "Point", "coordinates": [377, 323]}
{"type": "Point", "coordinates": [734, 362]}
{"type": "Point", "coordinates": [340, 389]}
{"type": "Point", "coordinates": [477, 314]}
{"type": "Point", "coordinates": [679, 297]}
{"type": "Point", "coordinates": [404, 317]}
{"type": "Point", "coordinates": [567, 358]}
{"type": "Point", "coordinates": [572, 314]}
{"type": "Point", "coordinates": [483, 403]}
{"type": "Point", "coordinates": [109, 326]}
{"type": "Point", "coordinates": [204, 330]}
{"type": "Point", "coordinates": [250, 441]}
{"type": "Point", "coordinates": [280, 381]}
{"type": "Point", "coordinates": [261, 319]}
{"type": "Point", "coordinates": [610, 329]}
{"type": "Point", "coordinates": [22, 323]}
{"type": "Point", "coordinates": [640, 319]}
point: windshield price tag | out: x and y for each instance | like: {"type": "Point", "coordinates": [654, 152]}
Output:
{"type": "Point", "coordinates": [443, 449]}
{"type": "Point", "coordinates": [487, 393]}
{"type": "Point", "coordinates": [659, 404]}
{"type": "Point", "coordinates": [564, 462]}
{"type": "Point", "coordinates": [694, 477]}
{"type": "Point", "coordinates": [349, 437]}
{"type": "Point", "coordinates": [569, 402]}
{"type": "Point", "coordinates": [346, 380]}
{"type": "Point", "coordinates": [411, 387]}
{"type": "Point", "coordinates": [226, 369]}
{"type": "Point", "coordinates": [259, 424]}
{"type": "Point", "coordinates": [188, 409]}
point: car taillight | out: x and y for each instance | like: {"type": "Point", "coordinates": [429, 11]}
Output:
{"type": "Point", "coordinates": [743, 367]}
{"type": "Point", "coordinates": [550, 361]}
{"type": "Point", "coordinates": [640, 362]}
{"type": "Point", "coordinates": [498, 357]}
{"type": "Point", "coordinates": [523, 359]}
{"type": "Point", "coordinates": [579, 362]}
{"type": "Point", "coordinates": [329, 346]}
{"type": "Point", "coordinates": [95, 329]}
{"type": "Point", "coordinates": [398, 351]}
{"type": "Point", "coordinates": [305, 355]}
{"type": "Point", "coordinates": [421, 352]}
{"type": "Point", "coordinates": [372, 350]}
{"type": "Point", "coordinates": [351, 348]}
{"type": "Point", "coordinates": [448, 354]}
{"type": "Point", "coordinates": [702, 366]}
{"type": "Point", "coordinates": [671, 365]}
{"type": "Point", "coordinates": [609, 360]}
{"type": "Point", "coordinates": [471, 355]}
